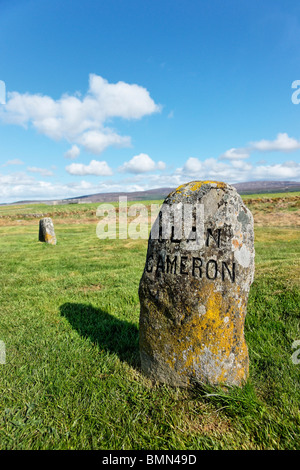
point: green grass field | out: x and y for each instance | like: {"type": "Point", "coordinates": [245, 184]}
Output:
{"type": "Point", "coordinates": [69, 319]}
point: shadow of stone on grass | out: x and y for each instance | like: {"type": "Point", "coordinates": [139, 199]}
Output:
{"type": "Point", "coordinates": [107, 332]}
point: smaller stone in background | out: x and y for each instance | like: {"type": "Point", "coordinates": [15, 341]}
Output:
{"type": "Point", "coordinates": [2, 353]}
{"type": "Point", "coordinates": [46, 231]}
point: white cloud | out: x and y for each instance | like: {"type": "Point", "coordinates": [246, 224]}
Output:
{"type": "Point", "coordinates": [161, 165]}
{"type": "Point", "coordinates": [81, 121]}
{"type": "Point", "coordinates": [195, 168]}
{"type": "Point", "coordinates": [15, 161]}
{"type": "Point", "coordinates": [282, 143]}
{"type": "Point", "coordinates": [94, 168]}
{"type": "Point", "coordinates": [236, 171]}
{"type": "Point", "coordinates": [192, 165]}
{"type": "Point", "coordinates": [73, 152]}
{"type": "Point", "coordinates": [121, 99]}
{"type": "Point", "coordinates": [22, 186]}
{"type": "Point", "coordinates": [279, 171]}
{"type": "Point", "coordinates": [25, 186]}
{"type": "Point", "coordinates": [241, 165]}
{"type": "Point", "coordinates": [235, 154]}
{"type": "Point", "coordinates": [96, 141]}
{"type": "Point", "coordinates": [141, 163]}
{"type": "Point", "coordinates": [41, 171]}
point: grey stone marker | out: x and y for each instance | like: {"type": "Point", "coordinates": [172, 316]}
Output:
{"type": "Point", "coordinates": [2, 353]}
{"type": "Point", "coordinates": [194, 288]}
{"type": "Point", "coordinates": [46, 231]}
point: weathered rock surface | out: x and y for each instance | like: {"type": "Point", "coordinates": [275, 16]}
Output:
{"type": "Point", "coordinates": [194, 288]}
{"type": "Point", "coordinates": [46, 231]}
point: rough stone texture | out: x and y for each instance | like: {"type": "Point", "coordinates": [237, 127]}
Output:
{"type": "Point", "coordinates": [194, 297]}
{"type": "Point", "coordinates": [2, 353]}
{"type": "Point", "coordinates": [46, 231]}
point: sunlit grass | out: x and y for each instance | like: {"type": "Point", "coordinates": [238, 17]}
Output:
{"type": "Point", "coordinates": [69, 318]}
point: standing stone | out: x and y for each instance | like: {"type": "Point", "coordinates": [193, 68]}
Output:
{"type": "Point", "coordinates": [194, 288]}
{"type": "Point", "coordinates": [2, 353]}
{"type": "Point", "coordinates": [46, 231]}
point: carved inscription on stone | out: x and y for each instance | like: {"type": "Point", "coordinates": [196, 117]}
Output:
{"type": "Point", "coordinates": [194, 288]}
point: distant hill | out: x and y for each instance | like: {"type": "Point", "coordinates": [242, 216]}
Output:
{"type": "Point", "coordinates": [258, 187]}
{"type": "Point", "coordinates": [254, 187]}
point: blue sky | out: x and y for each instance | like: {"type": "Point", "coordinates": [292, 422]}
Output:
{"type": "Point", "coordinates": [129, 95]}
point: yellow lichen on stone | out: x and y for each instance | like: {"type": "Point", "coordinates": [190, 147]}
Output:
{"type": "Point", "coordinates": [188, 344]}
{"type": "Point", "coordinates": [196, 185]}
{"type": "Point", "coordinates": [49, 239]}
{"type": "Point", "coordinates": [192, 315]}
{"type": "Point", "coordinates": [210, 330]}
